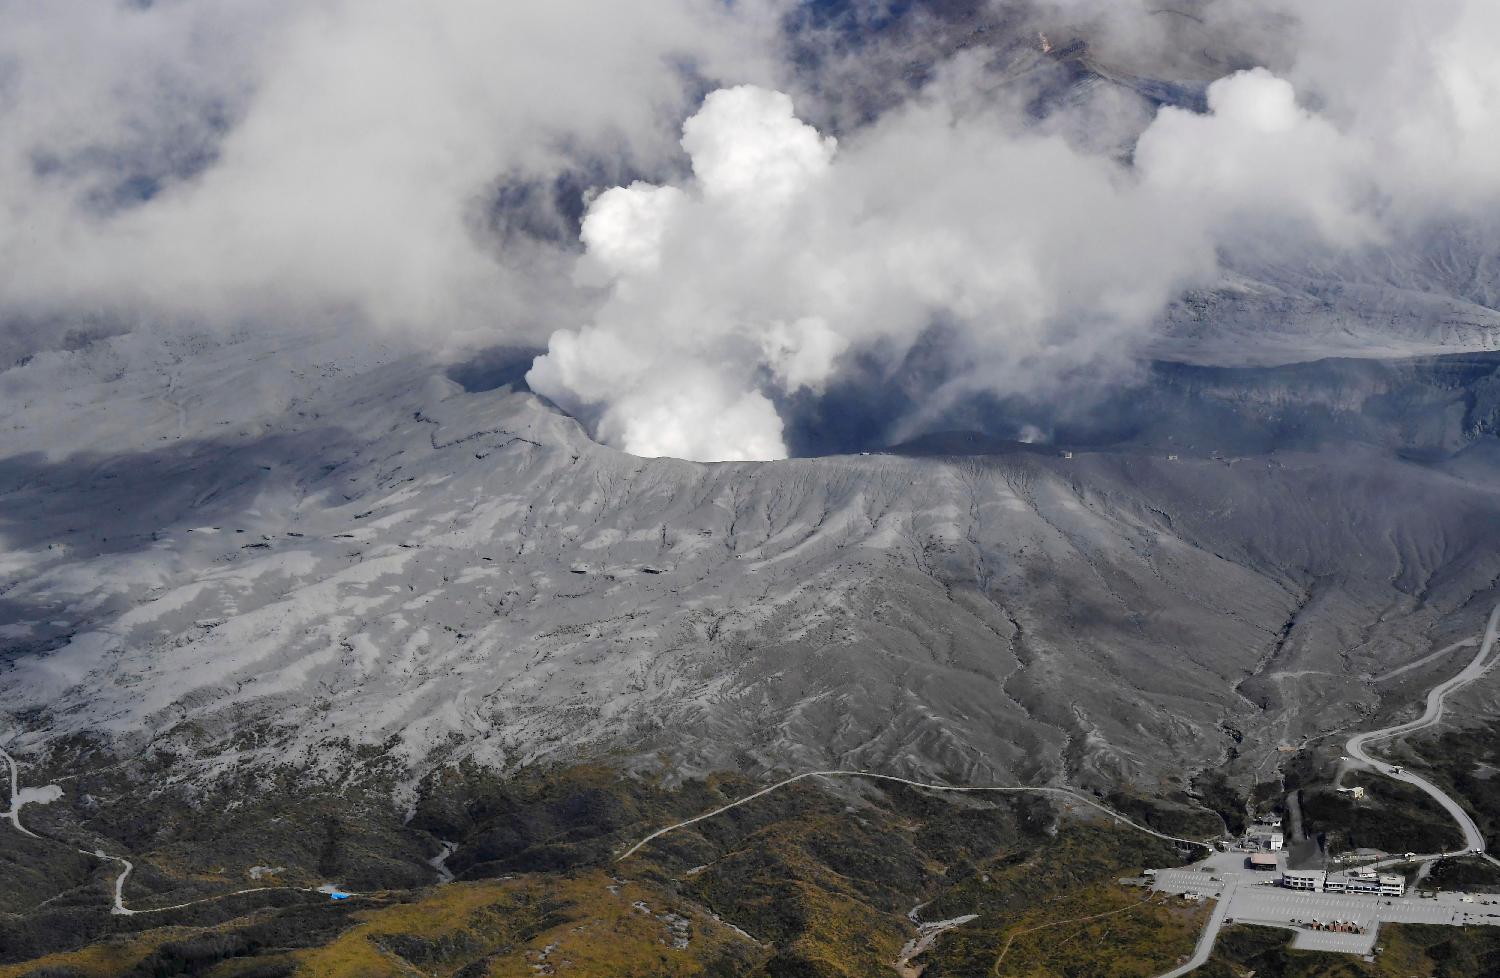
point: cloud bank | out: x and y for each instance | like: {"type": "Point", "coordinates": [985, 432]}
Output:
{"type": "Point", "coordinates": [396, 165]}
{"type": "Point", "coordinates": [325, 158]}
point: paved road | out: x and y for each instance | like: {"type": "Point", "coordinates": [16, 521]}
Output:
{"type": "Point", "coordinates": [14, 814]}
{"type": "Point", "coordinates": [1251, 898]}
{"type": "Point", "coordinates": [119, 907]}
{"type": "Point", "coordinates": [1060, 792]}
{"type": "Point", "coordinates": [14, 817]}
{"type": "Point", "coordinates": [1205, 945]}
{"type": "Point", "coordinates": [1436, 706]}
{"type": "Point", "coordinates": [1356, 748]}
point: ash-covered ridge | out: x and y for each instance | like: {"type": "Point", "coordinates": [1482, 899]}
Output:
{"type": "Point", "coordinates": [355, 565]}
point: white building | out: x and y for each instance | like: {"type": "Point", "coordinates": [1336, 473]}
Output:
{"type": "Point", "coordinates": [1365, 881]}
{"type": "Point", "coordinates": [1347, 884]}
{"type": "Point", "coordinates": [1265, 837]}
{"type": "Point", "coordinates": [1303, 879]}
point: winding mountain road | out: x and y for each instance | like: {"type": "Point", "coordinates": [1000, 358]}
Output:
{"type": "Point", "coordinates": [1356, 747]}
{"type": "Point", "coordinates": [1462, 643]}
{"type": "Point", "coordinates": [1060, 792]}
{"type": "Point", "coordinates": [13, 814]}
{"type": "Point", "coordinates": [1431, 716]}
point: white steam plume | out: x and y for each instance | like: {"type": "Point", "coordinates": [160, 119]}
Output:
{"type": "Point", "coordinates": [750, 282]}
{"type": "Point", "coordinates": [781, 255]}
{"type": "Point", "coordinates": [338, 161]}
{"type": "Point", "coordinates": [1419, 85]}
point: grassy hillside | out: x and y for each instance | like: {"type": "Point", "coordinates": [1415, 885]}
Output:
{"type": "Point", "coordinates": [1406, 951]}
{"type": "Point", "coordinates": [808, 881]}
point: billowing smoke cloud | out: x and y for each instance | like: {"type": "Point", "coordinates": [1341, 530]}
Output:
{"type": "Point", "coordinates": [786, 250]}
{"type": "Point", "coordinates": [1257, 160]}
{"type": "Point", "coordinates": [1419, 86]}
{"type": "Point", "coordinates": [749, 282]}
{"type": "Point", "coordinates": [1410, 89]}
{"type": "Point", "coordinates": [356, 163]}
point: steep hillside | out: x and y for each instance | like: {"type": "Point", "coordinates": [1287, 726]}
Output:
{"type": "Point", "coordinates": [383, 569]}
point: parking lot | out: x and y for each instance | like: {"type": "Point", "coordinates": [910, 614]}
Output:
{"type": "Point", "coordinates": [1189, 881]}
{"type": "Point", "coordinates": [1315, 940]}
{"type": "Point", "coordinates": [1256, 899]}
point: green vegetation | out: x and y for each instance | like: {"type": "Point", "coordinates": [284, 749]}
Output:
{"type": "Point", "coordinates": [1467, 763]}
{"type": "Point", "coordinates": [1392, 816]}
{"type": "Point", "coordinates": [1215, 791]}
{"type": "Point", "coordinates": [830, 887]}
{"type": "Point", "coordinates": [1407, 951]}
{"type": "Point", "coordinates": [1266, 795]}
{"type": "Point", "coordinates": [154, 947]}
{"type": "Point", "coordinates": [1174, 813]}
{"type": "Point", "coordinates": [600, 927]}
{"type": "Point", "coordinates": [1099, 931]}
{"type": "Point", "coordinates": [474, 930]}
{"type": "Point", "coordinates": [812, 881]}
{"type": "Point", "coordinates": [1472, 874]}
{"type": "Point", "coordinates": [1059, 879]}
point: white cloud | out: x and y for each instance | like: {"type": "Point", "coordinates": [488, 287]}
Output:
{"type": "Point", "coordinates": [339, 161]}
{"type": "Point", "coordinates": [748, 146]}
{"type": "Point", "coordinates": [782, 256]}
{"type": "Point", "coordinates": [1043, 254]}
{"type": "Point", "coordinates": [695, 413]}
{"type": "Point", "coordinates": [624, 226]}
{"type": "Point", "coordinates": [1420, 84]}
{"type": "Point", "coordinates": [346, 149]}
{"type": "Point", "coordinates": [802, 355]}
{"type": "Point", "coordinates": [1257, 159]}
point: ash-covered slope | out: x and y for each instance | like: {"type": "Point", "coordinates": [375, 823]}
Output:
{"type": "Point", "coordinates": [1375, 305]}
{"type": "Point", "coordinates": [370, 569]}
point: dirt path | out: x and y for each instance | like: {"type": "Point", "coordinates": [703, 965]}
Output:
{"type": "Point", "coordinates": [995, 968]}
{"type": "Point", "coordinates": [1067, 793]}
{"type": "Point", "coordinates": [13, 812]}
{"type": "Point", "coordinates": [13, 815]}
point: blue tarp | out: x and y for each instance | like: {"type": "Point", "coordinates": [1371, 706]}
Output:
{"type": "Point", "coordinates": [336, 895]}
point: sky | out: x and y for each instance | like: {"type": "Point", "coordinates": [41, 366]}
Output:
{"type": "Point", "coordinates": [701, 213]}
